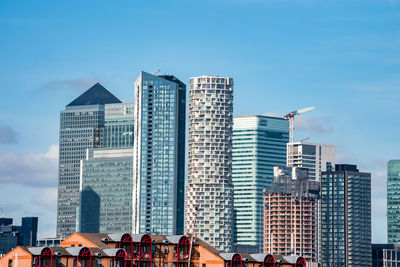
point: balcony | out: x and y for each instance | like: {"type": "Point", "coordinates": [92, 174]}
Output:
{"type": "Point", "coordinates": [180, 256]}
{"type": "Point", "coordinates": [142, 256]}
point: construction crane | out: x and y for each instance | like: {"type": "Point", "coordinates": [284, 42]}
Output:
{"type": "Point", "coordinates": [157, 71]}
{"type": "Point", "coordinates": [2, 213]}
{"type": "Point", "coordinates": [290, 116]}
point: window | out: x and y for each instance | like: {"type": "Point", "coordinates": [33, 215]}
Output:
{"type": "Point", "coordinates": [166, 251]}
{"type": "Point", "coordinates": [58, 262]}
{"type": "Point", "coordinates": [203, 265]}
{"type": "Point", "coordinates": [98, 262]}
{"type": "Point", "coordinates": [9, 263]}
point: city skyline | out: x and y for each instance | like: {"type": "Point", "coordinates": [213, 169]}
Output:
{"type": "Point", "coordinates": [345, 100]}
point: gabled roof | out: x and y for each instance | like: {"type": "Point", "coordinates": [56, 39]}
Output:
{"type": "Point", "coordinates": [95, 95]}
{"type": "Point", "coordinates": [95, 238]}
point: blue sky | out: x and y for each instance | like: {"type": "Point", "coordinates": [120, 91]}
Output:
{"type": "Point", "coordinates": [341, 56]}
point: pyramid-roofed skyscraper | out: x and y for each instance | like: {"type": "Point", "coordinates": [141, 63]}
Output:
{"type": "Point", "coordinates": [81, 127]}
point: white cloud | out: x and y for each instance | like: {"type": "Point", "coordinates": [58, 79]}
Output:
{"type": "Point", "coordinates": [32, 169]}
{"type": "Point", "coordinates": [46, 198]}
{"type": "Point", "coordinates": [316, 125]}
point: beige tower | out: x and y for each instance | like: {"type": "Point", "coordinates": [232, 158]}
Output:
{"type": "Point", "coordinates": [290, 214]}
{"type": "Point", "coordinates": [209, 198]}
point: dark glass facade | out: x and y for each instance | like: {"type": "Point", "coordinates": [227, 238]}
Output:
{"type": "Point", "coordinates": [346, 217]}
{"type": "Point", "coordinates": [159, 154]}
{"type": "Point", "coordinates": [106, 191]}
{"type": "Point", "coordinates": [393, 201]}
{"type": "Point", "coordinates": [107, 176]}
{"type": "Point", "coordinates": [29, 230]}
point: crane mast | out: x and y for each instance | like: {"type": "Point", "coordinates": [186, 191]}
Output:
{"type": "Point", "coordinates": [290, 116]}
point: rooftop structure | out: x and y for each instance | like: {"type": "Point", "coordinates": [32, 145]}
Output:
{"type": "Point", "coordinates": [95, 95]}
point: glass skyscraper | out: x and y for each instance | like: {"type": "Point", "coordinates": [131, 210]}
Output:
{"type": "Point", "coordinates": [209, 198]}
{"type": "Point", "coordinates": [159, 154]}
{"type": "Point", "coordinates": [29, 230]}
{"type": "Point", "coordinates": [346, 217]}
{"type": "Point", "coordinates": [393, 201]}
{"type": "Point", "coordinates": [259, 144]}
{"type": "Point", "coordinates": [106, 191]}
{"type": "Point", "coordinates": [81, 127]}
{"type": "Point", "coordinates": [107, 176]}
{"type": "Point", "coordinates": [118, 125]}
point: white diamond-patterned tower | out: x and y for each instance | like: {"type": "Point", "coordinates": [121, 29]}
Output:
{"type": "Point", "coordinates": [209, 198]}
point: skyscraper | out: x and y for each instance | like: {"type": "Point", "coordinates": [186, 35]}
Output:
{"type": "Point", "coordinates": [259, 144]}
{"type": "Point", "coordinates": [118, 125]}
{"type": "Point", "coordinates": [81, 127]}
{"type": "Point", "coordinates": [107, 176]}
{"type": "Point", "coordinates": [159, 154]}
{"type": "Point", "coordinates": [106, 191]}
{"type": "Point", "coordinates": [393, 204]}
{"type": "Point", "coordinates": [346, 217]}
{"type": "Point", "coordinates": [29, 230]}
{"type": "Point", "coordinates": [312, 156]}
{"type": "Point", "coordinates": [209, 198]}
{"type": "Point", "coordinates": [291, 214]}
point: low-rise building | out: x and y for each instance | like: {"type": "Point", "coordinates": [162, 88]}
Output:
{"type": "Point", "coordinates": [144, 250]}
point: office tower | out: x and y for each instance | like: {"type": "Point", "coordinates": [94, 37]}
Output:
{"type": "Point", "coordinates": [118, 125]}
{"type": "Point", "coordinates": [29, 230]}
{"type": "Point", "coordinates": [107, 176]}
{"type": "Point", "coordinates": [81, 127]}
{"type": "Point", "coordinates": [159, 154]}
{"type": "Point", "coordinates": [259, 144]}
{"type": "Point", "coordinates": [106, 191]}
{"type": "Point", "coordinates": [209, 197]}
{"type": "Point", "coordinates": [393, 204]}
{"type": "Point", "coordinates": [346, 217]}
{"type": "Point", "coordinates": [290, 214]}
{"type": "Point", "coordinates": [379, 251]}
{"type": "Point", "coordinates": [314, 157]}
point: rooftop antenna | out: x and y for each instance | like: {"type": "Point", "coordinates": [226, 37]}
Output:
{"type": "Point", "coordinates": [291, 116]}
{"type": "Point", "coordinates": [157, 71]}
